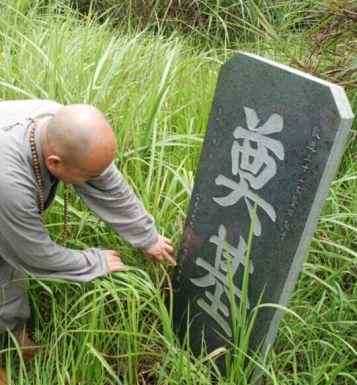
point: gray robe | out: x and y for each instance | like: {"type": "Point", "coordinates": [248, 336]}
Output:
{"type": "Point", "coordinates": [25, 245]}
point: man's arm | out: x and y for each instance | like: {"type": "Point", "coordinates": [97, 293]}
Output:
{"type": "Point", "coordinates": [110, 197]}
{"type": "Point", "coordinates": [25, 243]}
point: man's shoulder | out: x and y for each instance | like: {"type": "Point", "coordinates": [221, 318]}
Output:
{"type": "Point", "coordinates": [45, 107]}
{"type": "Point", "coordinates": [16, 110]}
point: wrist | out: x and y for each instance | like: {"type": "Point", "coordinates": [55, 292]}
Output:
{"type": "Point", "coordinates": [150, 241]}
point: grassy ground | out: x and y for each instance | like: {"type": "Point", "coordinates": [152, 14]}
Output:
{"type": "Point", "coordinates": [157, 91]}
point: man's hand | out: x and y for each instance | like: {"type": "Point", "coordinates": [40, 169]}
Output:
{"type": "Point", "coordinates": [162, 251]}
{"type": "Point", "coordinates": [114, 261]}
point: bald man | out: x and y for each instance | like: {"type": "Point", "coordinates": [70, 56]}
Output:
{"type": "Point", "coordinates": [75, 144]}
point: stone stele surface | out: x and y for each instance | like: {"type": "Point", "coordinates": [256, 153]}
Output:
{"type": "Point", "coordinates": [274, 142]}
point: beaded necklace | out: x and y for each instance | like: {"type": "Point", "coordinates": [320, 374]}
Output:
{"type": "Point", "coordinates": [40, 185]}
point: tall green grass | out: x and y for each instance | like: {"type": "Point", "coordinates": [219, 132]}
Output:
{"type": "Point", "coordinates": [210, 20]}
{"type": "Point", "coordinates": [157, 92]}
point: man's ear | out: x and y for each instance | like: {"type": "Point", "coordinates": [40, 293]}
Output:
{"type": "Point", "coordinates": [53, 161]}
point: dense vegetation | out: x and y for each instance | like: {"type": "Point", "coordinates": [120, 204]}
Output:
{"type": "Point", "coordinates": [152, 67]}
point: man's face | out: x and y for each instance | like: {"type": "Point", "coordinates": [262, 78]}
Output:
{"type": "Point", "coordinates": [74, 175]}
{"type": "Point", "coordinates": [71, 174]}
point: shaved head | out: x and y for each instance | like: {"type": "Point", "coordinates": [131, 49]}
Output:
{"type": "Point", "coordinates": [80, 137]}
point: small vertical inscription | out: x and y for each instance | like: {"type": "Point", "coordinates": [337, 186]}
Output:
{"type": "Point", "coordinates": [296, 197]}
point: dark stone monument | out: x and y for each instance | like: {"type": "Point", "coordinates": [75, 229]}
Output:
{"type": "Point", "coordinates": [273, 145]}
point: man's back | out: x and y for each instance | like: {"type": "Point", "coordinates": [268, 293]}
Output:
{"type": "Point", "coordinates": [15, 161]}
{"type": "Point", "coordinates": [12, 111]}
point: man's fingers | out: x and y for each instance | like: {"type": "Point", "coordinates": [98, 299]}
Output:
{"type": "Point", "coordinates": [169, 249]}
{"type": "Point", "coordinates": [114, 261]}
{"type": "Point", "coordinates": [118, 265]}
{"type": "Point", "coordinates": [159, 257]}
{"type": "Point", "coordinates": [169, 258]}
{"type": "Point", "coordinates": [172, 261]}
{"type": "Point", "coordinates": [162, 250]}
{"type": "Point", "coordinates": [122, 267]}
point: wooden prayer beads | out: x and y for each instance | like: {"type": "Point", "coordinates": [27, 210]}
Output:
{"type": "Point", "coordinates": [40, 183]}
{"type": "Point", "coordinates": [37, 170]}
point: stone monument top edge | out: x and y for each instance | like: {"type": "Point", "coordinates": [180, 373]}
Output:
{"type": "Point", "coordinates": [343, 104]}
{"type": "Point", "coordinates": [287, 68]}
{"type": "Point", "coordinates": [338, 92]}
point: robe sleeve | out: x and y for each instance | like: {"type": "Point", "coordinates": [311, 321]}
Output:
{"type": "Point", "coordinates": [27, 246]}
{"type": "Point", "coordinates": [110, 197]}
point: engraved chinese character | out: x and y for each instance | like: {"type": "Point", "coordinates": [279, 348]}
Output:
{"type": "Point", "coordinates": [253, 163]}
{"type": "Point", "coordinates": [217, 277]}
